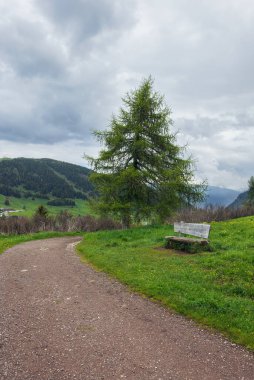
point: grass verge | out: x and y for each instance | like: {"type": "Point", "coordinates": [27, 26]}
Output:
{"type": "Point", "coordinates": [213, 288]}
{"type": "Point", "coordinates": [8, 241]}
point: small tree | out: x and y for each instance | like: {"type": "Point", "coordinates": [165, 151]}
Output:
{"type": "Point", "coordinates": [141, 172]}
{"type": "Point", "coordinates": [42, 211]}
{"type": "Point", "coordinates": [250, 200]}
{"type": "Point", "coordinates": [40, 217]}
{"type": "Point", "coordinates": [7, 201]}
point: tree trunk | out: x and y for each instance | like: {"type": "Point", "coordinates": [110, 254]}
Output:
{"type": "Point", "coordinates": [126, 221]}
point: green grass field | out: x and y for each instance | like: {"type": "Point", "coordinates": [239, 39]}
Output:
{"type": "Point", "coordinates": [29, 206]}
{"type": "Point", "coordinates": [213, 288]}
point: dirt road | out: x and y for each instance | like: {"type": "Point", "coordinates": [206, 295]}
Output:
{"type": "Point", "coordinates": [59, 319]}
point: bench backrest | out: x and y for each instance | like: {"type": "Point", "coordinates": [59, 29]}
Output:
{"type": "Point", "coordinates": [195, 229]}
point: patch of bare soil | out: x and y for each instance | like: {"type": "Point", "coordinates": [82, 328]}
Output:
{"type": "Point", "coordinates": [62, 320]}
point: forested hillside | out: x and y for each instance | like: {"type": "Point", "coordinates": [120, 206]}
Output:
{"type": "Point", "coordinates": [218, 196]}
{"type": "Point", "coordinates": [240, 200]}
{"type": "Point", "coordinates": [43, 178]}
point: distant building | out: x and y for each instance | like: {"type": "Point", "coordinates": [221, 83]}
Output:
{"type": "Point", "coordinates": [7, 211]}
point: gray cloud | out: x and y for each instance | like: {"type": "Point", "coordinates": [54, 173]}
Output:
{"type": "Point", "coordinates": [64, 67]}
{"type": "Point", "coordinates": [87, 18]}
{"type": "Point", "coordinates": [26, 49]}
{"type": "Point", "coordinates": [208, 126]}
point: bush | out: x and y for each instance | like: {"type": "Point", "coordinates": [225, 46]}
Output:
{"type": "Point", "coordinates": [210, 214]}
{"type": "Point", "coordinates": [64, 222]}
{"type": "Point", "coordinates": [7, 201]}
{"type": "Point", "coordinates": [61, 202]}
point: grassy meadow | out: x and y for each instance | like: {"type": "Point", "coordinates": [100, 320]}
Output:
{"type": "Point", "coordinates": [28, 206]}
{"type": "Point", "coordinates": [214, 288]}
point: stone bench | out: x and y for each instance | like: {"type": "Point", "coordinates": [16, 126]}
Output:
{"type": "Point", "coordinates": [200, 231]}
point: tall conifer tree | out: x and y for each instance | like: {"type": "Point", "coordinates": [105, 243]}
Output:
{"type": "Point", "coordinates": [141, 171]}
{"type": "Point", "coordinates": [250, 199]}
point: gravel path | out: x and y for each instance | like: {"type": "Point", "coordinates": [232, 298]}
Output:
{"type": "Point", "coordinates": [59, 319]}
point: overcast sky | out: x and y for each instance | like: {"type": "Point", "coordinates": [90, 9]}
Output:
{"type": "Point", "coordinates": [65, 65]}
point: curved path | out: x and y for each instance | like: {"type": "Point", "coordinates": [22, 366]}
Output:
{"type": "Point", "coordinates": [60, 319]}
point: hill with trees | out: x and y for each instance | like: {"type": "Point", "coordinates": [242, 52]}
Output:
{"type": "Point", "coordinates": [240, 201]}
{"type": "Point", "coordinates": [43, 178]}
{"type": "Point", "coordinates": [246, 198]}
{"type": "Point", "coordinates": [219, 196]}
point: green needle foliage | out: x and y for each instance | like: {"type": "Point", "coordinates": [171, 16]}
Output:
{"type": "Point", "coordinates": [250, 200]}
{"type": "Point", "coordinates": [141, 173]}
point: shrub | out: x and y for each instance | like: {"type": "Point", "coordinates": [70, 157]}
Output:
{"type": "Point", "coordinates": [7, 201]}
{"type": "Point", "coordinates": [64, 221]}
{"type": "Point", "coordinates": [210, 214]}
{"type": "Point", "coordinates": [61, 202]}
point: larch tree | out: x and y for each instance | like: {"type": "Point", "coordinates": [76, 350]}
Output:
{"type": "Point", "coordinates": [250, 199]}
{"type": "Point", "coordinates": [141, 172]}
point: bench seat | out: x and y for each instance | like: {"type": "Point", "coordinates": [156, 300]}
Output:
{"type": "Point", "coordinates": [182, 239]}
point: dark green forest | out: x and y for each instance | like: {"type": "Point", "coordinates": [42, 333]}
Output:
{"type": "Point", "coordinates": [43, 178]}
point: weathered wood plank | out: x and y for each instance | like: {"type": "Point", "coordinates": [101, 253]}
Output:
{"type": "Point", "coordinates": [195, 229]}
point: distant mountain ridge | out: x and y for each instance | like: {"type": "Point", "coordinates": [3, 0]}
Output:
{"type": "Point", "coordinates": [240, 200]}
{"type": "Point", "coordinates": [47, 178]}
{"type": "Point", "coordinates": [219, 196]}
{"type": "Point", "coordinates": [43, 178]}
